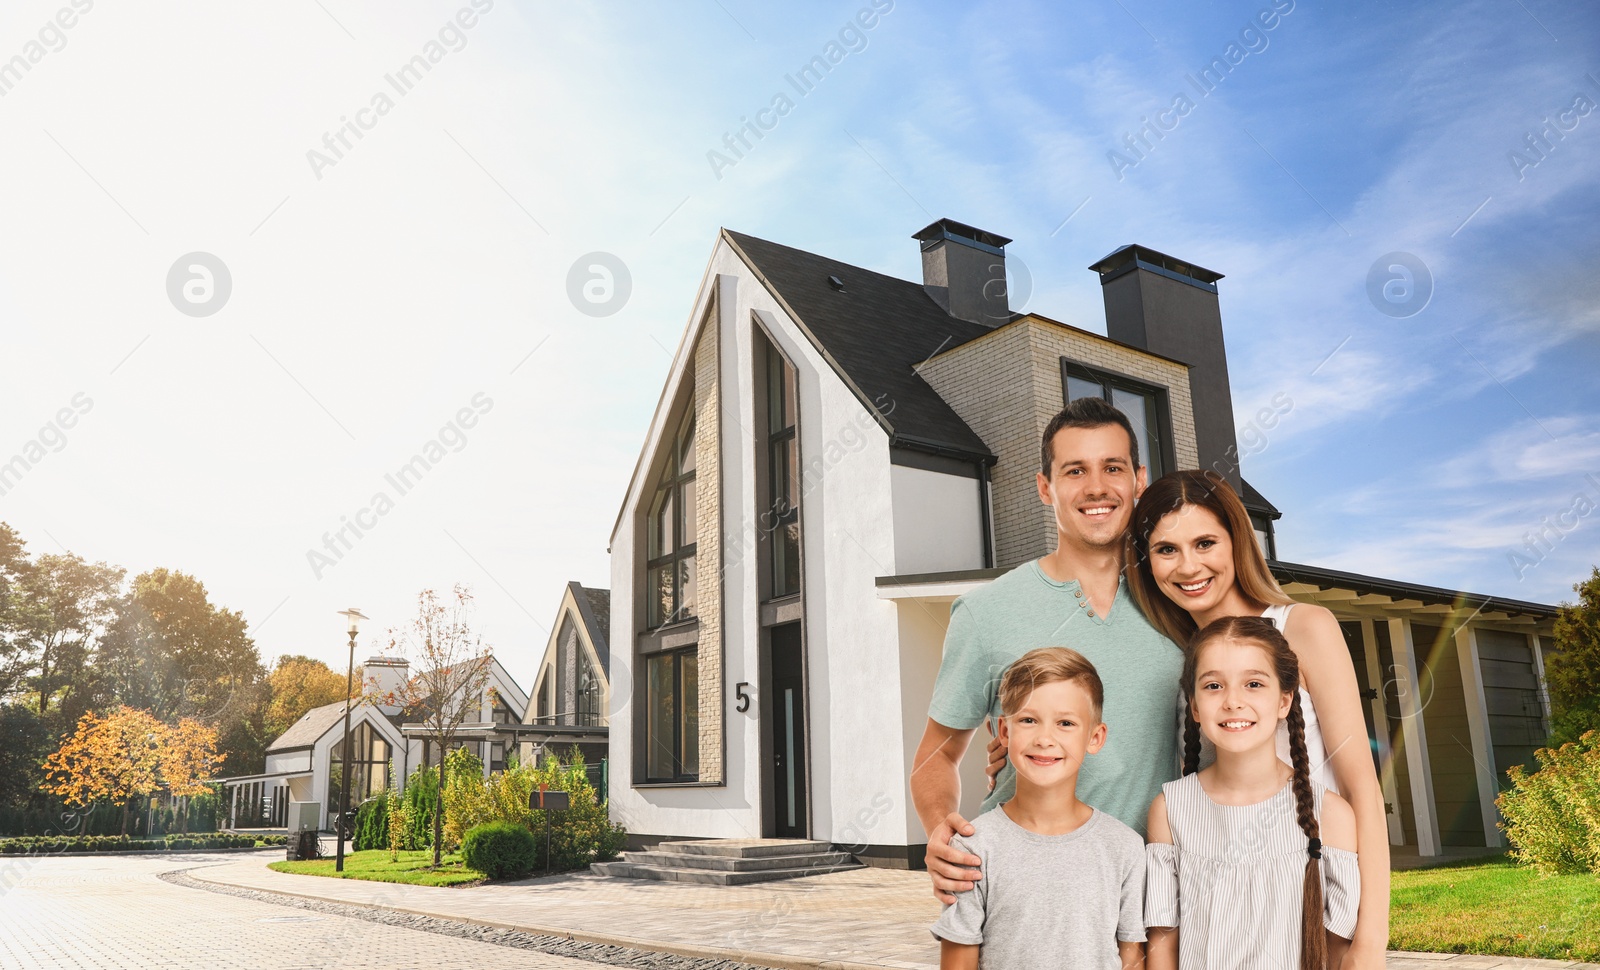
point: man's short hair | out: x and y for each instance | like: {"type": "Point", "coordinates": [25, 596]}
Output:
{"type": "Point", "coordinates": [1085, 412]}
{"type": "Point", "coordinates": [1049, 665]}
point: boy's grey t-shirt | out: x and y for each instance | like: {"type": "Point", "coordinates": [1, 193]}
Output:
{"type": "Point", "coordinates": [992, 626]}
{"type": "Point", "coordinates": [1049, 901]}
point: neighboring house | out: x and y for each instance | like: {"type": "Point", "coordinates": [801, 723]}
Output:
{"type": "Point", "coordinates": [572, 691]}
{"type": "Point", "coordinates": [299, 787]}
{"type": "Point", "coordinates": [837, 454]}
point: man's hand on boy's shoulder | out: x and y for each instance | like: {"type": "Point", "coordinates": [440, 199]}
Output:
{"type": "Point", "coordinates": [997, 754]}
{"type": "Point", "coordinates": [953, 870]}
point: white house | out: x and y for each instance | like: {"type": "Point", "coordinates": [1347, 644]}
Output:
{"type": "Point", "coordinates": [837, 454]}
{"type": "Point", "coordinates": [299, 786]}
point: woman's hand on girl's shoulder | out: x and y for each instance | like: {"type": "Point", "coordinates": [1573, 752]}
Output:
{"type": "Point", "coordinates": [1338, 823]}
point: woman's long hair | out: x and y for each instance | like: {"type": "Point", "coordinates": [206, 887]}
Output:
{"type": "Point", "coordinates": [1261, 632]}
{"type": "Point", "coordinates": [1199, 488]}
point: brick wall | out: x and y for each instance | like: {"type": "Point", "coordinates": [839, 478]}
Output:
{"type": "Point", "coordinates": [708, 547]}
{"type": "Point", "coordinates": [1006, 386]}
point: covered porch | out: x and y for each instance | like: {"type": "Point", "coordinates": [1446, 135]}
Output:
{"type": "Point", "coordinates": [1453, 685]}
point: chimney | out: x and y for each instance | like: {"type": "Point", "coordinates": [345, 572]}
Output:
{"type": "Point", "coordinates": [1169, 307]}
{"type": "Point", "coordinates": [383, 675]}
{"type": "Point", "coordinates": [964, 270]}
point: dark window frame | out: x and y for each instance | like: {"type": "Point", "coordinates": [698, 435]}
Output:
{"type": "Point", "coordinates": [672, 485]}
{"type": "Point", "coordinates": [1109, 380]}
{"type": "Point", "coordinates": [362, 737]}
{"type": "Point", "coordinates": [782, 499]}
{"type": "Point", "coordinates": [682, 710]}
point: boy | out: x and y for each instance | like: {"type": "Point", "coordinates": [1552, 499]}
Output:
{"type": "Point", "coordinates": [1063, 882]}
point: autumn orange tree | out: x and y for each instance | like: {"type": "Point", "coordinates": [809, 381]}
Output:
{"type": "Point", "coordinates": [296, 685]}
{"type": "Point", "coordinates": [129, 754]}
{"type": "Point", "coordinates": [188, 760]}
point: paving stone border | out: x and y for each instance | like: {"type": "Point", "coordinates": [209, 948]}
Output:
{"type": "Point", "coordinates": [611, 955]}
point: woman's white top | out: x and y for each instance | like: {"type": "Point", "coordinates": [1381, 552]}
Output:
{"type": "Point", "coordinates": [1316, 751]}
{"type": "Point", "coordinates": [1232, 882]}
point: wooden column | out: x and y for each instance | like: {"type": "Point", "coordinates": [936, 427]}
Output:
{"type": "Point", "coordinates": [1537, 643]}
{"type": "Point", "coordinates": [1478, 731]}
{"type": "Point", "coordinates": [1380, 727]}
{"type": "Point", "coordinates": [1415, 737]}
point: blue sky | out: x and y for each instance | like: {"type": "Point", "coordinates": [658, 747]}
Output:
{"type": "Point", "coordinates": [377, 293]}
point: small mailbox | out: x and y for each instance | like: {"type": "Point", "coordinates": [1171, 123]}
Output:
{"type": "Point", "coordinates": [558, 801]}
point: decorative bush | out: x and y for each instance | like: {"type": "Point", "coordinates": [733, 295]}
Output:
{"type": "Point", "coordinates": [500, 850]}
{"type": "Point", "coordinates": [399, 829]}
{"type": "Point", "coordinates": [372, 823]}
{"type": "Point", "coordinates": [583, 833]}
{"type": "Point", "coordinates": [1552, 816]}
{"type": "Point", "coordinates": [421, 802]}
{"type": "Point", "coordinates": [577, 836]}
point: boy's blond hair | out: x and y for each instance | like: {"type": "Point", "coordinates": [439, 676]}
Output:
{"type": "Point", "coordinates": [1048, 665]}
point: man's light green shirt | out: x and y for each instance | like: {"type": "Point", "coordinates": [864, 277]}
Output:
{"type": "Point", "coordinates": [1024, 609]}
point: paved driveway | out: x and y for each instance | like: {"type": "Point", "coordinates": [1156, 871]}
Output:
{"type": "Point", "coordinates": [105, 912]}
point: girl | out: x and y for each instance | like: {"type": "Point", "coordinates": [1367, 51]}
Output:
{"type": "Point", "coordinates": [1250, 862]}
{"type": "Point", "coordinates": [1192, 559]}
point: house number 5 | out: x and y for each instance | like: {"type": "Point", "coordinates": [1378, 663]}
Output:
{"type": "Point", "coordinates": [744, 698]}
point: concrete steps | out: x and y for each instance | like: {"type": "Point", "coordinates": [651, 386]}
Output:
{"type": "Point", "coordinates": [729, 862]}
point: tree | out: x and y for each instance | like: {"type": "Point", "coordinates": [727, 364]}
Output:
{"type": "Point", "coordinates": [173, 653]}
{"type": "Point", "coordinates": [188, 760]}
{"type": "Point", "coordinates": [24, 742]}
{"type": "Point", "coordinates": [117, 758]}
{"type": "Point", "coordinates": [14, 567]}
{"type": "Point", "coordinates": [66, 604]}
{"type": "Point", "coordinates": [296, 685]}
{"type": "Point", "coordinates": [454, 666]}
{"type": "Point", "coordinates": [1573, 671]}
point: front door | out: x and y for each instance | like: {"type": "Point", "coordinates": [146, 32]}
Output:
{"type": "Point", "coordinates": [786, 709]}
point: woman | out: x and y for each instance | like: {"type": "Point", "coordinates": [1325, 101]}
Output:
{"type": "Point", "coordinates": [1192, 558]}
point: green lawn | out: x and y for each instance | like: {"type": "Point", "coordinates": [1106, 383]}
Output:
{"type": "Point", "coordinates": [1495, 907]}
{"type": "Point", "coordinates": [413, 868]}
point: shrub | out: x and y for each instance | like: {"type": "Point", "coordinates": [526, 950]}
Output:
{"type": "Point", "coordinates": [1552, 816]}
{"type": "Point", "coordinates": [372, 823]}
{"type": "Point", "coordinates": [500, 850]}
{"type": "Point", "coordinates": [399, 829]}
{"type": "Point", "coordinates": [576, 836]}
{"type": "Point", "coordinates": [584, 832]}
{"type": "Point", "coordinates": [421, 802]}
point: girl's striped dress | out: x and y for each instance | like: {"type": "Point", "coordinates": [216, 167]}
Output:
{"type": "Point", "coordinates": [1232, 881]}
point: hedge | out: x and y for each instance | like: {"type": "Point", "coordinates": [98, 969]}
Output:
{"type": "Point", "coordinates": [47, 844]}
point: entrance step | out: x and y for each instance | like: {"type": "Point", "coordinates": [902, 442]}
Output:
{"type": "Point", "coordinates": [729, 862]}
{"type": "Point", "coordinates": [743, 848]}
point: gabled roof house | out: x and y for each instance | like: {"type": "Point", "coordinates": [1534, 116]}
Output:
{"type": "Point", "coordinates": [299, 785]}
{"type": "Point", "coordinates": [837, 454]}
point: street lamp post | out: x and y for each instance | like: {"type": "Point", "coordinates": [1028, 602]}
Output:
{"type": "Point", "coordinates": [354, 616]}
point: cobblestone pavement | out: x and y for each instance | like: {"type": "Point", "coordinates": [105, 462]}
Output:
{"type": "Point", "coordinates": [861, 918]}
{"type": "Point", "coordinates": [78, 913]}
{"type": "Point", "coordinates": [105, 912]}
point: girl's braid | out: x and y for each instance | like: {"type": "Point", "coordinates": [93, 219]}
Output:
{"type": "Point", "coordinates": [1313, 942]}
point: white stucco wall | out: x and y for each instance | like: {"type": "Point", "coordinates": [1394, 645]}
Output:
{"type": "Point", "coordinates": [288, 761]}
{"type": "Point", "coordinates": [937, 521]}
{"type": "Point", "coordinates": [923, 623]}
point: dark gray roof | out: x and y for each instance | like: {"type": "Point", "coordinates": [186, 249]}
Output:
{"type": "Point", "coordinates": [1256, 502]}
{"type": "Point", "coordinates": [600, 603]}
{"type": "Point", "coordinates": [1293, 572]}
{"type": "Point", "coordinates": [875, 330]}
{"type": "Point", "coordinates": [312, 725]}
{"type": "Point", "coordinates": [594, 608]}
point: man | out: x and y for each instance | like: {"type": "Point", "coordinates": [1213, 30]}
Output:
{"type": "Point", "coordinates": [1074, 597]}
